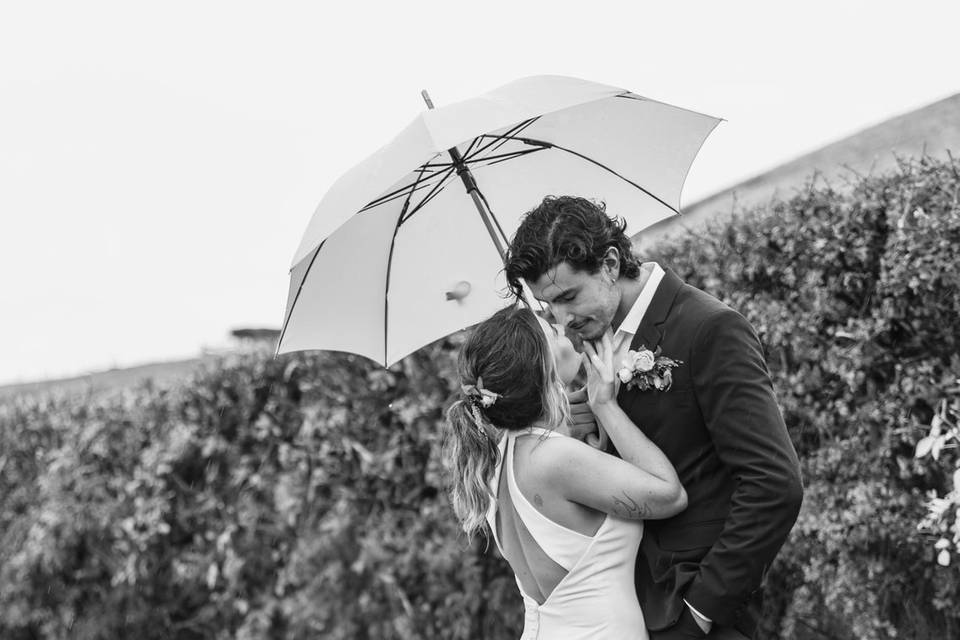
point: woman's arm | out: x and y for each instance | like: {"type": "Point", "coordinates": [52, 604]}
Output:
{"type": "Point", "coordinates": [606, 483]}
{"type": "Point", "coordinates": [643, 484]}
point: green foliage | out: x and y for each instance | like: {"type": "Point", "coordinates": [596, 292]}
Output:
{"type": "Point", "coordinates": [304, 497]}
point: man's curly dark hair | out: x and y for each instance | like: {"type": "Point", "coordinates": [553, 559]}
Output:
{"type": "Point", "coordinates": [566, 229]}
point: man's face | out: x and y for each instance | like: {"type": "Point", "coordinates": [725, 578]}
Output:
{"type": "Point", "coordinates": [582, 302]}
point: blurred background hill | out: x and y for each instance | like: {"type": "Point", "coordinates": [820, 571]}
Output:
{"type": "Point", "coordinates": [162, 373]}
{"type": "Point", "coordinates": [931, 130]}
{"type": "Point", "coordinates": [98, 381]}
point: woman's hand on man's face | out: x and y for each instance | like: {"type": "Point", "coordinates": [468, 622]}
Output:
{"type": "Point", "coordinates": [601, 378]}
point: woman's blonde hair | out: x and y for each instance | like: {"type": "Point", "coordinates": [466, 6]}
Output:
{"type": "Point", "coordinates": [510, 354]}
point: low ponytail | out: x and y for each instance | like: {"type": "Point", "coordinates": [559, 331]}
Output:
{"type": "Point", "coordinates": [472, 455]}
{"type": "Point", "coordinates": [508, 382]}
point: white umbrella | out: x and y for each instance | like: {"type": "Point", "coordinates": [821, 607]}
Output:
{"type": "Point", "coordinates": [407, 247]}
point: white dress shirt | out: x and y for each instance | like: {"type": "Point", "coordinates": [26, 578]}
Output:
{"type": "Point", "coordinates": [631, 322]}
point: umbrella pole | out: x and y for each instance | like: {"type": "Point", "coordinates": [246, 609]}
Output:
{"type": "Point", "coordinates": [471, 186]}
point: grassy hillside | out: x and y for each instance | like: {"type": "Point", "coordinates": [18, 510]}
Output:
{"type": "Point", "coordinates": [111, 379]}
{"type": "Point", "coordinates": [931, 130]}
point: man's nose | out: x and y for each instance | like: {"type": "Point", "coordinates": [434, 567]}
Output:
{"type": "Point", "coordinates": [560, 315]}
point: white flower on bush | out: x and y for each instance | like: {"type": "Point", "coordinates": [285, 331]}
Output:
{"type": "Point", "coordinates": [643, 360]}
{"type": "Point", "coordinates": [933, 443]}
{"type": "Point", "coordinates": [943, 546]}
{"type": "Point", "coordinates": [944, 427]}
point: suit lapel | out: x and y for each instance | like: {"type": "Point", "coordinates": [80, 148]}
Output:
{"type": "Point", "coordinates": [650, 332]}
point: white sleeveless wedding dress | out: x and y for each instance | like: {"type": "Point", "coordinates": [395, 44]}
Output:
{"type": "Point", "coordinates": [596, 599]}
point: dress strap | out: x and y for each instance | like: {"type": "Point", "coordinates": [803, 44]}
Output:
{"type": "Point", "coordinates": [494, 490]}
{"type": "Point", "coordinates": [537, 431]}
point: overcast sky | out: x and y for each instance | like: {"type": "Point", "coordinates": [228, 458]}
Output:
{"type": "Point", "coordinates": [159, 161]}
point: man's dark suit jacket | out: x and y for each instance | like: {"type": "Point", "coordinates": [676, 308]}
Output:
{"type": "Point", "coordinates": [720, 426]}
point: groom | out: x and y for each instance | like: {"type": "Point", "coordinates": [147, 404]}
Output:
{"type": "Point", "coordinates": [699, 573]}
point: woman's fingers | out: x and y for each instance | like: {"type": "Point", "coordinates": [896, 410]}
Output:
{"type": "Point", "coordinates": [592, 355]}
{"type": "Point", "coordinates": [593, 439]}
{"type": "Point", "coordinates": [578, 396]}
{"type": "Point", "coordinates": [588, 348]}
{"type": "Point", "coordinates": [599, 355]}
{"type": "Point", "coordinates": [607, 346]}
{"type": "Point", "coordinates": [596, 365]}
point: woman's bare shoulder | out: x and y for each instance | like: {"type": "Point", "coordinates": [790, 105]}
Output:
{"type": "Point", "coordinates": [556, 458]}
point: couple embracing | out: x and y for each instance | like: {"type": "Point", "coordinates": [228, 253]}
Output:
{"type": "Point", "coordinates": [652, 505]}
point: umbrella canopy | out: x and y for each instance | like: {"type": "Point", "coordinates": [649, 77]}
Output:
{"type": "Point", "coordinates": [396, 254]}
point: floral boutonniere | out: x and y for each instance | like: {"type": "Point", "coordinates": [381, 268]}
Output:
{"type": "Point", "coordinates": [644, 369]}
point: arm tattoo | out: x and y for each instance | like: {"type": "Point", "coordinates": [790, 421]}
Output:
{"type": "Point", "coordinates": [537, 500]}
{"type": "Point", "coordinates": [630, 508]}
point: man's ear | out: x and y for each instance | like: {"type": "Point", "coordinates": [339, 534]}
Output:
{"type": "Point", "coordinates": [611, 262]}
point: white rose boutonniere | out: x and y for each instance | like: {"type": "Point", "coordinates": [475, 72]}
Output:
{"type": "Point", "coordinates": [643, 360]}
{"type": "Point", "coordinates": [644, 369]}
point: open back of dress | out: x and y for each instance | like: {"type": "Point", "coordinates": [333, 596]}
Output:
{"type": "Point", "coordinates": [577, 586]}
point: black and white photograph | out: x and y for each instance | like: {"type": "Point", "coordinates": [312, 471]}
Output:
{"type": "Point", "coordinates": [502, 320]}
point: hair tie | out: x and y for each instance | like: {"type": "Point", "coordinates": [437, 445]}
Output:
{"type": "Point", "coordinates": [478, 398]}
{"type": "Point", "coordinates": [478, 395]}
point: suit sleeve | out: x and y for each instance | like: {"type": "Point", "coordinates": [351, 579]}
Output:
{"type": "Point", "coordinates": [736, 398]}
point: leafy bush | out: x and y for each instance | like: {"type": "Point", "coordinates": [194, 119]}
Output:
{"type": "Point", "coordinates": [856, 297]}
{"type": "Point", "coordinates": [303, 497]}
{"type": "Point", "coordinates": [293, 498]}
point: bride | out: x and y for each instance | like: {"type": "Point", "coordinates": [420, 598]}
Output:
{"type": "Point", "coordinates": [566, 516]}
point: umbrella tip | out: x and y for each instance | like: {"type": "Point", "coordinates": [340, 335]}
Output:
{"type": "Point", "coordinates": [426, 98]}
